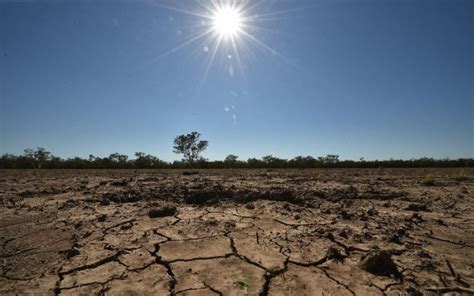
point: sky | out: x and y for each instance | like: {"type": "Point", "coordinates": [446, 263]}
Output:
{"type": "Point", "coordinates": [377, 79]}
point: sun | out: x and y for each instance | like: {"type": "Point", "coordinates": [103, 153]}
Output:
{"type": "Point", "coordinates": [227, 21]}
{"type": "Point", "coordinates": [227, 31]}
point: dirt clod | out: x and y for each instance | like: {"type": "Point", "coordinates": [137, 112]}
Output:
{"type": "Point", "coordinates": [71, 253]}
{"type": "Point", "coordinates": [102, 218]}
{"type": "Point", "coordinates": [416, 207]}
{"type": "Point", "coordinates": [162, 212]}
{"type": "Point", "coordinates": [333, 253]}
{"type": "Point", "coordinates": [190, 173]}
{"type": "Point", "coordinates": [119, 183]}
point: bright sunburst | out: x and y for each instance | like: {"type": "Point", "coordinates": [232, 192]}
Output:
{"type": "Point", "coordinates": [227, 21]}
{"type": "Point", "coordinates": [226, 28]}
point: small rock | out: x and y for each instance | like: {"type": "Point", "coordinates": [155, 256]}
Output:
{"type": "Point", "coordinates": [229, 224]}
{"type": "Point", "coordinates": [345, 215]}
{"type": "Point", "coordinates": [102, 218]}
{"type": "Point", "coordinates": [26, 193]}
{"type": "Point", "coordinates": [413, 291]}
{"type": "Point", "coordinates": [119, 183]}
{"type": "Point", "coordinates": [343, 233]}
{"type": "Point", "coordinates": [126, 226]}
{"type": "Point", "coordinates": [105, 201]}
{"type": "Point", "coordinates": [287, 207]}
{"type": "Point", "coordinates": [417, 207]}
{"type": "Point", "coordinates": [71, 253]}
{"type": "Point", "coordinates": [212, 222]}
{"type": "Point", "coordinates": [372, 212]}
{"type": "Point", "coordinates": [333, 253]}
{"type": "Point", "coordinates": [394, 238]}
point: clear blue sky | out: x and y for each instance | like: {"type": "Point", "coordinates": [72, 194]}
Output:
{"type": "Point", "coordinates": [374, 79]}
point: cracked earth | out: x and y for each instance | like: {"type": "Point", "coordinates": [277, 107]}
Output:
{"type": "Point", "coordinates": [237, 232]}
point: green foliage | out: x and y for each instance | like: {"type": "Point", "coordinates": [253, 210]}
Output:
{"type": "Point", "coordinates": [190, 146]}
{"type": "Point", "coordinates": [329, 159]}
{"type": "Point", "coordinates": [461, 176]}
{"type": "Point", "coordinates": [428, 181]}
{"type": "Point", "coordinates": [147, 161]}
{"type": "Point", "coordinates": [243, 286]}
{"type": "Point", "coordinates": [231, 158]}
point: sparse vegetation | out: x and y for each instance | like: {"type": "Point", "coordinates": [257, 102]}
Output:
{"type": "Point", "coordinates": [428, 181]}
{"type": "Point", "coordinates": [461, 176]}
{"type": "Point", "coordinates": [190, 146]}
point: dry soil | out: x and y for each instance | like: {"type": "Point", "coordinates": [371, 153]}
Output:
{"type": "Point", "coordinates": [237, 232]}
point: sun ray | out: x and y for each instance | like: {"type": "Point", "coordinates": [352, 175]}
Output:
{"type": "Point", "coordinates": [213, 55]}
{"type": "Point", "coordinates": [187, 42]}
{"type": "Point", "coordinates": [266, 16]}
{"type": "Point", "coordinates": [236, 51]}
{"type": "Point", "coordinates": [189, 12]}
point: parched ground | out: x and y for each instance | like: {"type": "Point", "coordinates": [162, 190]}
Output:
{"type": "Point", "coordinates": [237, 232]}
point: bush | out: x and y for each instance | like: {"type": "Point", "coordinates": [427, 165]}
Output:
{"type": "Point", "coordinates": [461, 176]}
{"type": "Point", "coordinates": [428, 181]}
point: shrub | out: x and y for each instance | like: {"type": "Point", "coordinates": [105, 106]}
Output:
{"type": "Point", "coordinates": [428, 181]}
{"type": "Point", "coordinates": [461, 176]}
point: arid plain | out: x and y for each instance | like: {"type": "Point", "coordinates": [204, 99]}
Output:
{"type": "Point", "coordinates": [237, 232]}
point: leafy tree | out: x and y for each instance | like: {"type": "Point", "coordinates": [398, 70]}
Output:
{"type": "Point", "coordinates": [268, 159]}
{"type": "Point", "coordinates": [29, 156]}
{"type": "Point", "coordinates": [190, 146]}
{"type": "Point", "coordinates": [231, 158]}
{"type": "Point", "coordinates": [147, 161]}
{"type": "Point", "coordinates": [274, 162]}
{"type": "Point", "coordinates": [118, 160]}
{"type": "Point", "coordinates": [37, 158]}
{"type": "Point", "coordinates": [304, 162]}
{"type": "Point", "coordinates": [41, 156]}
{"type": "Point", "coordinates": [329, 159]}
{"type": "Point", "coordinates": [255, 163]}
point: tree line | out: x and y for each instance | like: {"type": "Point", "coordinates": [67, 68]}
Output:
{"type": "Point", "coordinates": [42, 159]}
{"type": "Point", "coordinates": [191, 147]}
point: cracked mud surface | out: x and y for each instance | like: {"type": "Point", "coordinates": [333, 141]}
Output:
{"type": "Point", "coordinates": [255, 232]}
